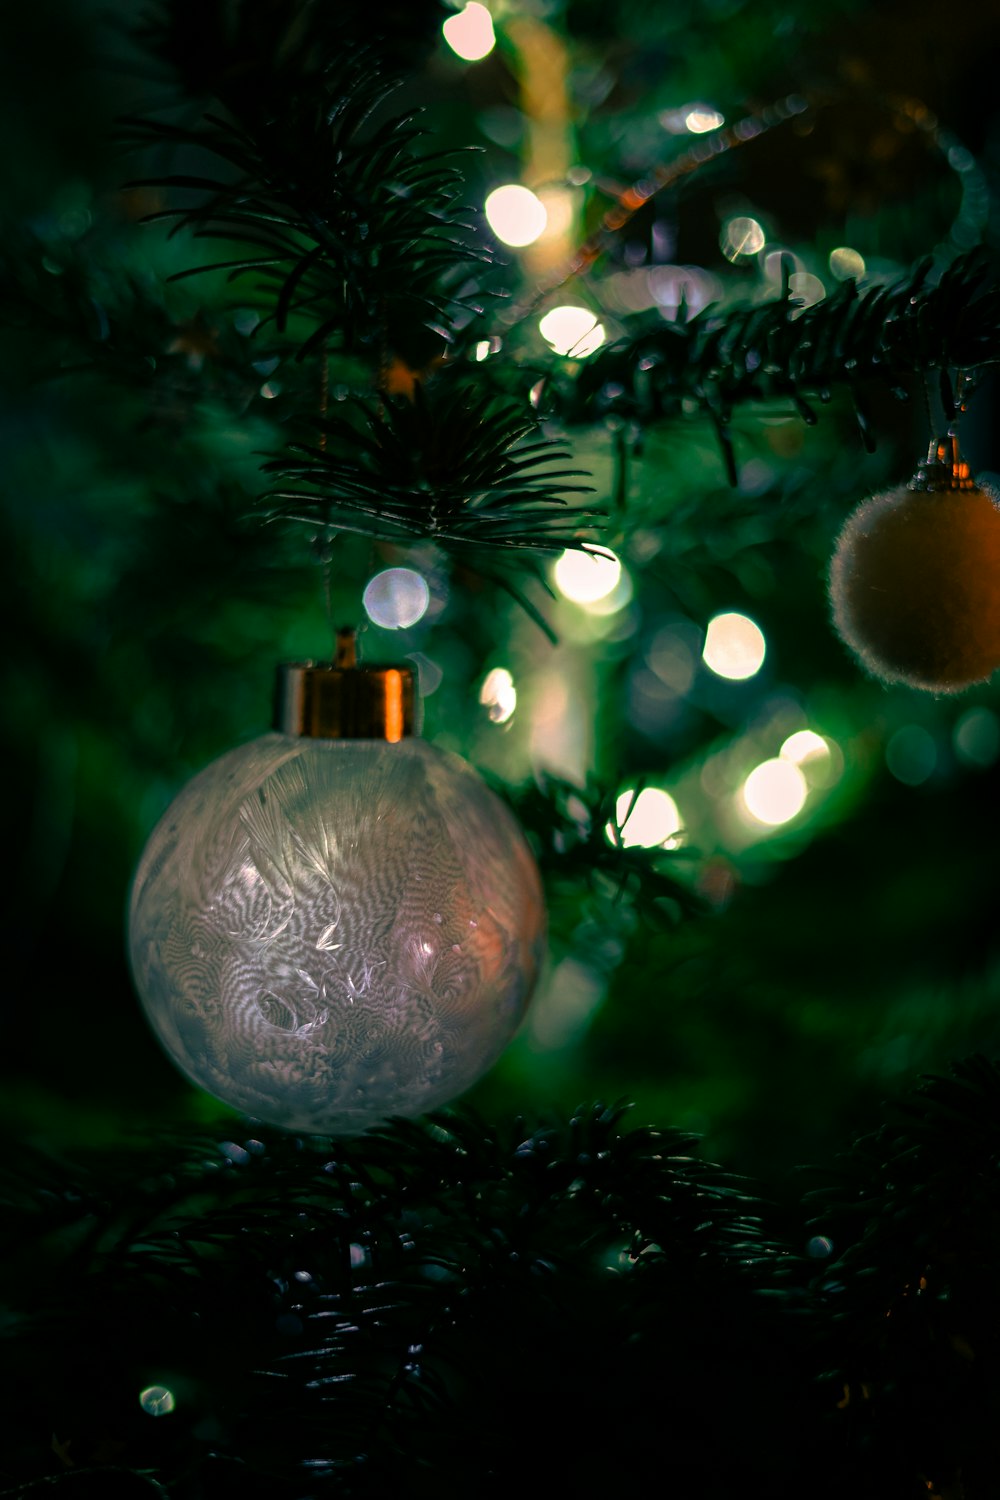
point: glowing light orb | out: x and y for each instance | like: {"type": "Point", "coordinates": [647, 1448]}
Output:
{"type": "Point", "coordinates": [734, 647]}
{"type": "Point", "coordinates": [774, 793]}
{"type": "Point", "coordinates": [516, 215]}
{"type": "Point", "coordinates": [653, 821]}
{"type": "Point", "coordinates": [470, 34]}
{"type": "Point", "coordinates": [701, 118]}
{"type": "Point", "coordinates": [572, 330]}
{"type": "Point", "coordinates": [806, 288]}
{"type": "Point", "coordinates": [976, 737]}
{"type": "Point", "coordinates": [157, 1400]}
{"type": "Point", "coordinates": [805, 745]}
{"type": "Point", "coordinates": [741, 236]}
{"type": "Point", "coordinates": [499, 695]}
{"type": "Point", "coordinates": [911, 755]}
{"type": "Point", "coordinates": [587, 577]}
{"type": "Point", "coordinates": [396, 598]}
{"type": "Point", "coordinates": [482, 350]}
{"type": "Point", "coordinates": [847, 264]}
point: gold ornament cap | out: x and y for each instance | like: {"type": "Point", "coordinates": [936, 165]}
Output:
{"type": "Point", "coordinates": [944, 468]}
{"type": "Point", "coordinates": [341, 700]}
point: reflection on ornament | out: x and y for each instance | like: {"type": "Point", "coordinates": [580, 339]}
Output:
{"type": "Point", "coordinates": [913, 582]}
{"type": "Point", "coordinates": [327, 931]}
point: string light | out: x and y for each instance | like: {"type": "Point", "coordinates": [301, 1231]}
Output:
{"type": "Point", "coordinates": [803, 746]}
{"type": "Point", "coordinates": [741, 236]}
{"type": "Point", "coordinates": [700, 118]}
{"type": "Point", "coordinates": [734, 647]}
{"type": "Point", "coordinates": [572, 330]}
{"type": "Point", "coordinates": [587, 577]}
{"type": "Point", "coordinates": [648, 821]}
{"type": "Point", "coordinates": [157, 1400]}
{"type": "Point", "coordinates": [499, 695]}
{"type": "Point", "coordinates": [396, 598]}
{"type": "Point", "coordinates": [470, 34]}
{"type": "Point", "coordinates": [516, 215]}
{"type": "Point", "coordinates": [847, 264]}
{"type": "Point", "coordinates": [774, 793]}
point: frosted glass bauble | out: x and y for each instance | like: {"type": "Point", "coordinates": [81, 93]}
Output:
{"type": "Point", "coordinates": [327, 932]}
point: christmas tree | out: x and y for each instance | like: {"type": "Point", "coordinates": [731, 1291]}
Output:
{"type": "Point", "coordinates": [555, 350]}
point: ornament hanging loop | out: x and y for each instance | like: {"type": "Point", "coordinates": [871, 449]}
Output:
{"type": "Point", "coordinates": [343, 700]}
{"type": "Point", "coordinates": [944, 468]}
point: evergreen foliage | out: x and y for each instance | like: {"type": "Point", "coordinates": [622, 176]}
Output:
{"type": "Point", "coordinates": [310, 347]}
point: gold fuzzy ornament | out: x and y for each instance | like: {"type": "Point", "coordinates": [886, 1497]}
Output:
{"type": "Point", "coordinates": [915, 578]}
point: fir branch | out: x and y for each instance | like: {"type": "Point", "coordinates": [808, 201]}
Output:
{"type": "Point", "coordinates": [912, 1295]}
{"type": "Point", "coordinates": [350, 229]}
{"type": "Point", "coordinates": [780, 349]}
{"type": "Point", "coordinates": [451, 466]}
{"type": "Point", "coordinates": [337, 1317]}
{"type": "Point", "coordinates": [577, 836]}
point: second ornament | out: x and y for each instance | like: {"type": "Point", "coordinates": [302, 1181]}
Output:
{"type": "Point", "coordinates": [915, 578]}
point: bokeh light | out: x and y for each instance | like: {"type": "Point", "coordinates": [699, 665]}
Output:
{"type": "Point", "coordinates": [774, 793]}
{"type": "Point", "coordinates": [803, 746]}
{"type": "Point", "coordinates": [559, 204]}
{"type": "Point", "coordinates": [396, 598]}
{"type": "Point", "coordinates": [470, 34]}
{"type": "Point", "coordinates": [482, 350]}
{"type": "Point", "coordinates": [700, 118]}
{"type": "Point", "coordinates": [499, 695]}
{"type": "Point", "coordinates": [846, 264]}
{"type": "Point", "coordinates": [911, 755]}
{"type": "Point", "coordinates": [515, 214]}
{"type": "Point", "coordinates": [976, 737]}
{"type": "Point", "coordinates": [572, 330]}
{"type": "Point", "coordinates": [157, 1400]}
{"type": "Point", "coordinates": [587, 577]}
{"type": "Point", "coordinates": [734, 647]}
{"type": "Point", "coordinates": [648, 821]}
{"type": "Point", "coordinates": [806, 287]}
{"type": "Point", "coordinates": [741, 236]}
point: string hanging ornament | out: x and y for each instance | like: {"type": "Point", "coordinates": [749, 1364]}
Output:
{"type": "Point", "coordinates": [338, 921]}
{"type": "Point", "coordinates": [915, 578]}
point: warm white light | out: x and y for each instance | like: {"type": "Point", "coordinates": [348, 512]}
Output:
{"type": "Point", "coordinates": [157, 1400]}
{"type": "Point", "coordinates": [558, 203]}
{"type": "Point", "coordinates": [734, 647]}
{"type": "Point", "coordinates": [396, 598]}
{"type": "Point", "coordinates": [775, 792]}
{"type": "Point", "coordinates": [515, 214]}
{"type": "Point", "coordinates": [572, 330]}
{"type": "Point", "coordinates": [587, 577]}
{"type": "Point", "coordinates": [806, 287]}
{"type": "Point", "coordinates": [741, 236]}
{"type": "Point", "coordinates": [499, 695]}
{"type": "Point", "coordinates": [847, 264]}
{"type": "Point", "coordinates": [702, 117]}
{"type": "Point", "coordinates": [805, 745]}
{"type": "Point", "coordinates": [654, 820]}
{"type": "Point", "coordinates": [482, 350]}
{"type": "Point", "coordinates": [470, 34]}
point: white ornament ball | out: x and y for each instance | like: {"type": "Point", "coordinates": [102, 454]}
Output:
{"type": "Point", "coordinates": [915, 586]}
{"type": "Point", "coordinates": [326, 932]}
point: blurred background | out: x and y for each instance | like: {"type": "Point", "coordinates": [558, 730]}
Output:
{"type": "Point", "coordinates": [836, 837]}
